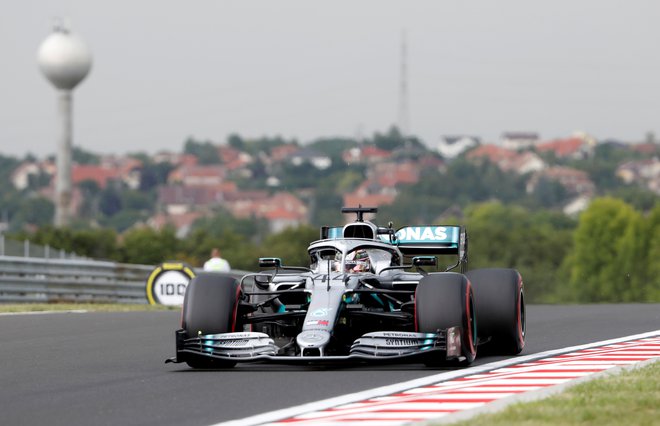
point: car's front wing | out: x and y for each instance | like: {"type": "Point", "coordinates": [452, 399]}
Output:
{"type": "Point", "coordinates": [374, 347]}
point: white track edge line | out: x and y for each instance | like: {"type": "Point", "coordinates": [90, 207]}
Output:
{"type": "Point", "coordinates": [70, 311]}
{"type": "Point", "coordinates": [285, 413]}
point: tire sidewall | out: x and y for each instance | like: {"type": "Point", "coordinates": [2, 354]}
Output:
{"type": "Point", "coordinates": [446, 300]}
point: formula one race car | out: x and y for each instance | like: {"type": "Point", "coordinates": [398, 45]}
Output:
{"type": "Point", "coordinates": [365, 297]}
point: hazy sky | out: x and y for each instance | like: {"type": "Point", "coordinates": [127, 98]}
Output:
{"type": "Point", "coordinates": [166, 70]}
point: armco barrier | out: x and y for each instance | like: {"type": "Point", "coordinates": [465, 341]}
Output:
{"type": "Point", "coordinates": [37, 280]}
{"type": "Point", "coordinates": [65, 280]}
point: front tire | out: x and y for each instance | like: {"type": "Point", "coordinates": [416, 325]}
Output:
{"type": "Point", "coordinates": [501, 306]}
{"type": "Point", "coordinates": [209, 307]}
{"type": "Point", "coordinates": [446, 300]}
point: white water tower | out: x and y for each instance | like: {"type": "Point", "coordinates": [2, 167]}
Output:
{"type": "Point", "coordinates": [65, 60]}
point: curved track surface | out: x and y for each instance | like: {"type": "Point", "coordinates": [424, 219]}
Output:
{"type": "Point", "coordinates": [107, 368]}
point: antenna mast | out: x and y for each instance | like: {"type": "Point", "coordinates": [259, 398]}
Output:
{"type": "Point", "coordinates": [404, 115]}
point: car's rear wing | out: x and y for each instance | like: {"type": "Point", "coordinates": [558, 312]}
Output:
{"type": "Point", "coordinates": [417, 240]}
{"type": "Point", "coordinates": [429, 240]}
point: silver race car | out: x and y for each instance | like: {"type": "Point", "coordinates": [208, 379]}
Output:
{"type": "Point", "coordinates": [365, 298]}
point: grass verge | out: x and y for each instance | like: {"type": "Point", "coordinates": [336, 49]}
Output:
{"type": "Point", "coordinates": [95, 307]}
{"type": "Point", "coordinates": [631, 397]}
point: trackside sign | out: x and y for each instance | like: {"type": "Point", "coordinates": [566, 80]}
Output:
{"type": "Point", "coordinates": [167, 284]}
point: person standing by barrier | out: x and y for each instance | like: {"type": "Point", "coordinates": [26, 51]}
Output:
{"type": "Point", "coordinates": [216, 263]}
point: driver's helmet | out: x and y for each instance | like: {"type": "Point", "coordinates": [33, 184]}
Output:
{"type": "Point", "coordinates": [358, 261]}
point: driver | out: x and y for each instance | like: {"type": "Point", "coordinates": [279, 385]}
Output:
{"type": "Point", "coordinates": [358, 262]}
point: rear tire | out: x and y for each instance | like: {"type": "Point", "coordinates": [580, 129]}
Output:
{"type": "Point", "coordinates": [446, 300]}
{"type": "Point", "coordinates": [209, 307]}
{"type": "Point", "coordinates": [501, 306]}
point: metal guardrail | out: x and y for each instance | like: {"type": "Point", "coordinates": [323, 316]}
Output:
{"type": "Point", "coordinates": [37, 280]}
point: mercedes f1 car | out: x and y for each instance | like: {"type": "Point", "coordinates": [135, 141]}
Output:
{"type": "Point", "coordinates": [366, 297]}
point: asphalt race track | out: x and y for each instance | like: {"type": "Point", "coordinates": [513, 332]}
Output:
{"type": "Point", "coordinates": [107, 368]}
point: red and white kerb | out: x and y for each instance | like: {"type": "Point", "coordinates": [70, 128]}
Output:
{"type": "Point", "coordinates": [443, 398]}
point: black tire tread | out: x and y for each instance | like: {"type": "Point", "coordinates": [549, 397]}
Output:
{"type": "Point", "coordinates": [497, 293]}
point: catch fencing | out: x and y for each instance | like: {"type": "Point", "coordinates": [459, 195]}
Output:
{"type": "Point", "coordinates": [9, 247]}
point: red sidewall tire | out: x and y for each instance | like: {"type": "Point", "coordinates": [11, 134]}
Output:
{"type": "Point", "coordinates": [446, 300]}
{"type": "Point", "coordinates": [500, 298]}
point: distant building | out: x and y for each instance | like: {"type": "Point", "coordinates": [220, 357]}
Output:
{"type": "Point", "coordinates": [279, 219]}
{"type": "Point", "coordinates": [232, 158]}
{"type": "Point", "coordinates": [507, 159]}
{"type": "Point", "coordinates": [576, 147]}
{"type": "Point", "coordinates": [644, 172]}
{"type": "Point", "coordinates": [519, 140]}
{"type": "Point", "coordinates": [392, 174]}
{"type": "Point", "coordinates": [647, 148]}
{"type": "Point", "coordinates": [180, 199]}
{"type": "Point", "coordinates": [452, 146]}
{"type": "Point", "coordinates": [98, 174]}
{"type": "Point", "coordinates": [365, 154]}
{"type": "Point", "coordinates": [283, 152]}
{"type": "Point", "coordinates": [493, 153]}
{"type": "Point", "coordinates": [22, 174]}
{"type": "Point", "coordinates": [175, 158]}
{"type": "Point", "coordinates": [281, 209]}
{"type": "Point", "coordinates": [577, 205]}
{"type": "Point", "coordinates": [308, 155]}
{"type": "Point", "coordinates": [26, 171]}
{"type": "Point", "coordinates": [380, 188]}
{"type": "Point", "coordinates": [573, 180]}
{"type": "Point", "coordinates": [188, 175]}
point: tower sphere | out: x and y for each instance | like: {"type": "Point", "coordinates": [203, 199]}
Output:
{"type": "Point", "coordinates": [64, 59]}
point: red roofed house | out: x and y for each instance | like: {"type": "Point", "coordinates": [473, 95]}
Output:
{"type": "Point", "coordinates": [648, 148]}
{"type": "Point", "coordinates": [99, 174]}
{"type": "Point", "coordinates": [493, 153]}
{"type": "Point", "coordinates": [506, 159]}
{"type": "Point", "coordinates": [121, 169]}
{"type": "Point", "coordinates": [371, 193]}
{"type": "Point", "coordinates": [368, 154]}
{"type": "Point", "coordinates": [179, 199]}
{"type": "Point", "coordinates": [282, 209]}
{"type": "Point", "coordinates": [281, 153]}
{"type": "Point", "coordinates": [232, 158]}
{"type": "Point", "coordinates": [574, 147]}
{"type": "Point", "coordinates": [279, 219]}
{"type": "Point", "coordinates": [380, 187]}
{"type": "Point", "coordinates": [524, 162]}
{"type": "Point", "coordinates": [129, 170]}
{"type": "Point", "coordinates": [393, 174]}
{"type": "Point", "coordinates": [197, 175]}
{"type": "Point", "coordinates": [241, 203]}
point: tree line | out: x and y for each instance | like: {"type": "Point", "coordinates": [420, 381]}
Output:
{"type": "Point", "coordinates": [610, 253]}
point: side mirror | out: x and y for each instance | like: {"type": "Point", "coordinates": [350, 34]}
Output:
{"type": "Point", "coordinates": [424, 261]}
{"type": "Point", "coordinates": [262, 281]}
{"type": "Point", "coordinates": [270, 262]}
